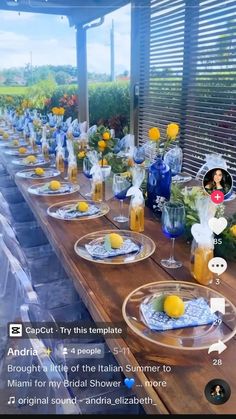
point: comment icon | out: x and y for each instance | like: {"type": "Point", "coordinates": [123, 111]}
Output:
{"type": "Point", "coordinates": [217, 265]}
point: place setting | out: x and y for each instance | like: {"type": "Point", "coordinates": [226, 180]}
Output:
{"type": "Point", "coordinates": [179, 315]}
{"type": "Point", "coordinates": [21, 152]}
{"type": "Point", "coordinates": [53, 188]}
{"type": "Point", "coordinates": [78, 210]}
{"type": "Point", "coordinates": [31, 161]}
{"type": "Point", "coordinates": [13, 144]}
{"type": "Point", "coordinates": [114, 247]}
{"type": "Point", "coordinates": [38, 173]}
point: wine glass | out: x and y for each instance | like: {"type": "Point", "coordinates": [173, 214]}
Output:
{"type": "Point", "coordinates": [87, 166]}
{"type": "Point", "coordinates": [139, 155]}
{"type": "Point", "coordinates": [44, 119]}
{"type": "Point", "coordinates": [173, 222]}
{"type": "Point", "coordinates": [120, 187]}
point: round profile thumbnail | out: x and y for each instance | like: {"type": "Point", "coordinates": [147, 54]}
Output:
{"type": "Point", "coordinates": [217, 391]}
{"type": "Point", "coordinates": [218, 179]}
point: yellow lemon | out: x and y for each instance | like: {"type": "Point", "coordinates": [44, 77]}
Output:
{"type": "Point", "coordinates": [174, 306]}
{"type": "Point", "coordinates": [15, 142]}
{"type": "Point", "coordinates": [22, 150]}
{"type": "Point", "coordinates": [106, 136]}
{"type": "Point", "coordinates": [81, 154]}
{"type": "Point", "coordinates": [103, 162]}
{"type": "Point", "coordinates": [39, 171]}
{"type": "Point", "coordinates": [5, 136]}
{"type": "Point", "coordinates": [101, 144]}
{"type": "Point", "coordinates": [31, 159]}
{"type": "Point", "coordinates": [54, 185]}
{"type": "Point", "coordinates": [116, 240]}
{"type": "Point", "coordinates": [1, 131]}
{"type": "Point", "coordinates": [154, 134]}
{"type": "Point", "coordinates": [233, 230]}
{"type": "Point", "coordinates": [82, 206]}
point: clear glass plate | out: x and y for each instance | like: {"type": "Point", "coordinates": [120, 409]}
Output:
{"type": "Point", "coordinates": [146, 247]}
{"type": "Point", "coordinates": [11, 145]}
{"type": "Point", "coordinates": [17, 154]}
{"type": "Point", "coordinates": [30, 174]}
{"type": "Point", "coordinates": [188, 338]}
{"type": "Point", "coordinates": [56, 210]}
{"type": "Point", "coordinates": [37, 189]}
{"type": "Point", "coordinates": [39, 162]}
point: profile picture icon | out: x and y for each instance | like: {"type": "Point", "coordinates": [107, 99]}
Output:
{"type": "Point", "coordinates": [218, 179]}
{"type": "Point", "coordinates": [217, 391]}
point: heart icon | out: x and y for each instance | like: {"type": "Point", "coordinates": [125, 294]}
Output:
{"type": "Point", "coordinates": [129, 382]}
{"type": "Point", "coordinates": [217, 225]}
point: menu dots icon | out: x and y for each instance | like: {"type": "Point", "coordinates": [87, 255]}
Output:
{"type": "Point", "coordinates": [217, 265]}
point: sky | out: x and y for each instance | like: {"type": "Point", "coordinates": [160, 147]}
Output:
{"type": "Point", "coordinates": [52, 41]}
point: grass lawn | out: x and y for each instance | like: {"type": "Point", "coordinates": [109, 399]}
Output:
{"type": "Point", "coordinates": [13, 90]}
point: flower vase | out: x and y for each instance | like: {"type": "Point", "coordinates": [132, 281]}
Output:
{"type": "Point", "coordinates": [158, 184]}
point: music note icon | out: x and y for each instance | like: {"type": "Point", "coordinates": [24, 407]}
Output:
{"type": "Point", "coordinates": [11, 400]}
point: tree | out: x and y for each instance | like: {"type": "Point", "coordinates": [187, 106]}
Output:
{"type": "Point", "coordinates": [61, 77]}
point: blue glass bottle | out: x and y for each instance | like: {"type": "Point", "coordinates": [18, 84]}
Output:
{"type": "Point", "coordinates": [158, 184]}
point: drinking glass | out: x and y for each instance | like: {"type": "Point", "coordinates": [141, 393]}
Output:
{"type": "Point", "coordinates": [139, 155]}
{"type": "Point", "coordinates": [120, 187]}
{"type": "Point", "coordinates": [87, 166]}
{"type": "Point", "coordinates": [173, 223]}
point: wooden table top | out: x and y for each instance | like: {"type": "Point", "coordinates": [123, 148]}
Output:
{"type": "Point", "coordinates": [103, 290]}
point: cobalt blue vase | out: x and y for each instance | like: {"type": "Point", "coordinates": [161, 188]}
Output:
{"type": "Point", "coordinates": [158, 184]}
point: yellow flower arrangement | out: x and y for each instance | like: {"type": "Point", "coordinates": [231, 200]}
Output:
{"type": "Point", "coordinates": [154, 134]}
{"type": "Point", "coordinates": [172, 132]}
{"type": "Point", "coordinates": [58, 110]}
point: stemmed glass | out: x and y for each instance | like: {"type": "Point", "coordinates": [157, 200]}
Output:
{"type": "Point", "coordinates": [139, 155]}
{"type": "Point", "coordinates": [120, 187]}
{"type": "Point", "coordinates": [173, 223]}
{"type": "Point", "coordinates": [44, 119]}
{"type": "Point", "coordinates": [87, 166]}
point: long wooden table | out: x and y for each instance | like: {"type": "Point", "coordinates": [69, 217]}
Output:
{"type": "Point", "coordinates": [103, 290]}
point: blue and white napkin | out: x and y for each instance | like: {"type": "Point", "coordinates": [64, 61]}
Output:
{"type": "Point", "coordinates": [46, 190]}
{"type": "Point", "coordinates": [98, 251]}
{"type": "Point", "coordinates": [69, 214]}
{"type": "Point", "coordinates": [197, 313]}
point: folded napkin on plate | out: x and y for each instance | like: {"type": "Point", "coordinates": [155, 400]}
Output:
{"type": "Point", "coordinates": [98, 251]}
{"type": "Point", "coordinates": [46, 174]}
{"type": "Point", "coordinates": [73, 213]}
{"type": "Point", "coordinates": [46, 190]}
{"type": "Point", "coordinates": [197, 313]}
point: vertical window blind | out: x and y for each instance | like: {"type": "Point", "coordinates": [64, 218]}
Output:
{"type": "Point", "coordinates": [188, 76]}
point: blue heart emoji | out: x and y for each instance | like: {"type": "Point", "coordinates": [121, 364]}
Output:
{"type": "Point", "coordinates": [129, 382]}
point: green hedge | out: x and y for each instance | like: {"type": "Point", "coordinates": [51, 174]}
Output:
{"type": "Point", "coordinates": [109, 103]}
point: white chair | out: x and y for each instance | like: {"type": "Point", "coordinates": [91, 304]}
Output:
{"type": "Point", "coordinates": [47, 364]}
{"type": "Point", "coordinates": [15, 289]}
{"type": "Point", "coordinates": [40, 262]}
